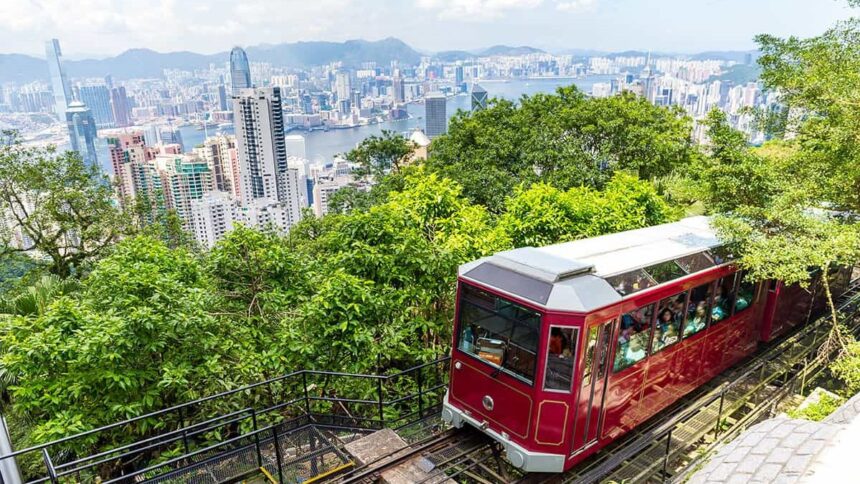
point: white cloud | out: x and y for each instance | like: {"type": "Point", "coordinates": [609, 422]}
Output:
{"type": "Point", "coordinates": [469, 10]}
{"type": "Point", "coordinates": [575, 5]}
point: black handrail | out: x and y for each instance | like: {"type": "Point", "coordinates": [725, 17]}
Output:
{"type": "Point", "coordinates": [305, 399]}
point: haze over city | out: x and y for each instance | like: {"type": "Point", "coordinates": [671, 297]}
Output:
{"type": "Point", "coordinates": [93, 28]}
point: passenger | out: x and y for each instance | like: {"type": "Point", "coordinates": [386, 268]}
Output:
{"type": "Point", "coordinates": [667, 318]}
{"type": "Point", "coordinates": [671, 336]}
{"type": "Point", "coordinates": [659, 336]}
{"type": "Point", "coordinates": [635, 351]}
{"type": "Point", "coordinates": [557, 342]}
{"type": "Point", "coordinates": [698, 321]}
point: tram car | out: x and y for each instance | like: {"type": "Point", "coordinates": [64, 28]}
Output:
{"type": "Point", "coordinates": [560, 350]}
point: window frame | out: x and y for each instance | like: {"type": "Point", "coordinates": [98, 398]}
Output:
{"type": "Point", "coordinates": [462, 302]}
{"type": "Point", "coordinates": [681, 323]}
{"type": "Point", "coordinates": [711, 285]}
{"type": "Point", "coordinates": [650, 330]}
{"type": "Point", "coordinates": [574, 346]}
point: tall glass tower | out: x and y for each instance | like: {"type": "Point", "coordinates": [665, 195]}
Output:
{"type": "Point", "coordinates": [240, 71]}
{"type": "Point", "coordinates": [435, 115]}
{"type": "Point", "coordinates": [82, 131]}
{"type": "Point", "coordinates": [59, 83]}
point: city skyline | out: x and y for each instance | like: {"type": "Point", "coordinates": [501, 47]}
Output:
{"type": "Point", "coordinates": [111, 27]}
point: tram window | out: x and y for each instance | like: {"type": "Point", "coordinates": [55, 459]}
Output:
{"type": "Point", "coordinates": [498, 331]}
{"type": "Point", "coordinates": [698, 310]}
{"type": "Point", "coordinates": [746, 293]}
{"type": "Point", "coordinates": [631, 282]}
{"type": "Point", "coordinates": [633, 337]}
{"type": "Point", "coordinates": [670, 317]}
{"type": "Point", "coordinates": [724, 296]}
{"type": "Point", "coordinates": [665, 271]}
{"type": "Point", "coordinates": [560, 357]}
{"type": "Point", "coordinates": [588, 363]}
{"type": "Point", "coordinates": [695, 262]}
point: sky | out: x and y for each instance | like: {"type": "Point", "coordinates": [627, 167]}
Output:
{"type": "Point", "coordinates": [98, 28]}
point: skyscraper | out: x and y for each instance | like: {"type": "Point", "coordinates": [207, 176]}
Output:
{"type": "Point", "coordinates": [59, 84]}
{"type": "Point", "coordinates": [259, 126]}
{"type": "Point", "coordinates": [342, 86]}
{"type": "Point", "coordinates": [240, 71]}
{"type": "Point", "coordinates": [119, 106]}
{"type": "Point", "coordinates": [458, 79]}
{"type": "Point", "coordinates": [222, 97]}
{"type": "Point", "coordinates": [435, 115]}
{"type": "Point", "coordinates": [479, 97]}
{"type": "Point", "coordinates": [82, 131]}
{"type": "Point", "coordinates": [97, 98]}
{"type": "Point", "coordinates": [296, 146]}
{"type": "Point", "coordinates": [216, 152]}
{"type": "Point", "coordinates": [399, 89]}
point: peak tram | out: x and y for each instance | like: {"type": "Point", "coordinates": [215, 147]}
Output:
{"type": "Point", "coordinates": [560, 350]}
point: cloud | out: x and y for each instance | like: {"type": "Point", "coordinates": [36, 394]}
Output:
{"type": "Point", "coordinates": [575, 5]}
{"type": "Point", "coordinates": [470, 10]}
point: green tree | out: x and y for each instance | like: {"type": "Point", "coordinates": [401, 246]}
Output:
{"type": "Point", "coordinates": [62, 207]}
{"type": "Point", "coordinates": [377, 156]}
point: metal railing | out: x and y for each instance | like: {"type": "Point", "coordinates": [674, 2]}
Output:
{"type": "Point", "coordinates": [251, 419]}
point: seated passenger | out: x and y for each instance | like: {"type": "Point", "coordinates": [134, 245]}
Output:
{"type": "Point", "coordinates": [667, 318]}
{"type": "Point", "coordinates": [635, 351]}
{"type": "Point", "coordinates": [670, 336]}
{"type": "Point", "coordinates": [698, 320]}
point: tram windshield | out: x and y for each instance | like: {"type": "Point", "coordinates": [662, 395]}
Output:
{"type": "Point", "coordinates": [498, 331]}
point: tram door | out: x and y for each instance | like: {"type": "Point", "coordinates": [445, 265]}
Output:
{"type": "Point", "coordinates": [596, 366]}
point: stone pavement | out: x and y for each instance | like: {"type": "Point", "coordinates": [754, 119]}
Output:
{"type": "Point", "coordinates": [786, 450]}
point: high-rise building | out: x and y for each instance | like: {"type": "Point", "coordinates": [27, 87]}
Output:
{"type": "Point", "coordinates": [222, 97]}
{"type": "Point", "coordinates": [59, 83]}
{"type": "Point", "coordinates": [82, 131]}
{"type": "Point", "coordinates": [128, 154]}
{"type": "Point", "coordinates": [186, 178]}
{"type": "Point", "coordinates": [259, 127]}
{"type": "Point", "coordinates": [399, 89]}
{"type": "Point", "coordinates": [240, 71]}
{"type": "Point", "coordinates": [213, 215]}
{"type": "Point", "coordinates": [119, 107]}
{"type": "Point", "coordinates": [296, 146]}
{"type": "Point", "coordinates": [458, 79]}
{"type": "Point", "coordinates": [342, 86]}
{"type": "Point", "coordinates": [168, 135]}
{"type": "Point", "coordinates": [97, 98]}
{"type": "Point", "coordinates": [479, 97]}
{"type": "Point", "coordinates": [216, 152]}
{"type": "Point", "coordinates": [435, 115]}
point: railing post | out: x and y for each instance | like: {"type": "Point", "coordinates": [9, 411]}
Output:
{"type": "Point", "coordinates": [381, 409]}
{"type": "Point", "coordinates": [719, 414]}
{"type": "Point", "coordinates": [277, 452]}
{"type": "Point", "coordinates": [666, 457]}
{"type": "Point", "coordinates": [256, 437]}
{"type": "Point", "coordinates": [182, 427]}
{"type": "Point", "coordinates": [307, 398]}
{"type": "Point", "coordinates": [52, 473]}
{"type": "Point", "coordinates": [420, 395]}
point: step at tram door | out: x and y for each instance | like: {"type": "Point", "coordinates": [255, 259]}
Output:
{"type": "Point", "coordinates": [592, 391]}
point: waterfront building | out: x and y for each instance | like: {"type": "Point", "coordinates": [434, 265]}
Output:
{"type": "Point", "coordinates": [98, 99]}
{"type": "Point", "coordinates": [60, 87]}
{"type": "Point", "coordinates": [479, 97]}
{"type": "Point", "coordinates": [240, 70]}
{"type": "Point", "coordinates": [435, 115]}
{"type": "Point", "coordinates": [82, 131]}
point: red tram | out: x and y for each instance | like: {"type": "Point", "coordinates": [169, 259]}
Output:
{"type": "Point", "coordinates": [560, 350]}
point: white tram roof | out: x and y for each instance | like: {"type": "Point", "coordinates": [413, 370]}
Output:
{"type": "Point", "coordinates": [588, 274]}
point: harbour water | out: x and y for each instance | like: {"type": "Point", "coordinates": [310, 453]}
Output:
{"type": "Point", "coordinates": [325, 145]}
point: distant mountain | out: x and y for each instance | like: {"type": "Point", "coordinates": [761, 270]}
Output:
{"type": "Point", "coordinates": [22, 68]}
{"type": "Point", "coordinates": [739, 74]}
{"type": "Point", "coordinates": [508, 50]}
{"type": "Point", "coordinates": [454, 55]}
{"type": "Point", "coordinates": [145, 63]}
{"type": "Point", "coordinates": [727, 55]}
{"type": "Point", "coordinates": [582, 52]}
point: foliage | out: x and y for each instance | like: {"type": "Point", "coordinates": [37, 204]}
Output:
{"type": "Point", "coordinates": [62, 207]}
{"type": "Point", "coordinates": [847, 369]}
{"type": "Point", "coordinates": [542, 215]}
{"type": "Point", "coordinates": [378, 155]}
{"type": "Point", "coordinates": [14, 267]}
{"type": "Point", "coordinates": [564, 139]}
{"type": "Point", "coordinates": [34, 299]}
{"type": "Point", "coordinates": [819, 410]}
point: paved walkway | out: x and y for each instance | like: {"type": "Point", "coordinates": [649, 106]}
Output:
{"type": "Point", "coordinates": [786, 450]}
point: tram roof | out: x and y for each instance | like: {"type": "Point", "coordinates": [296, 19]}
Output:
{"type": "Point", "coordinates": [592, 273]}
